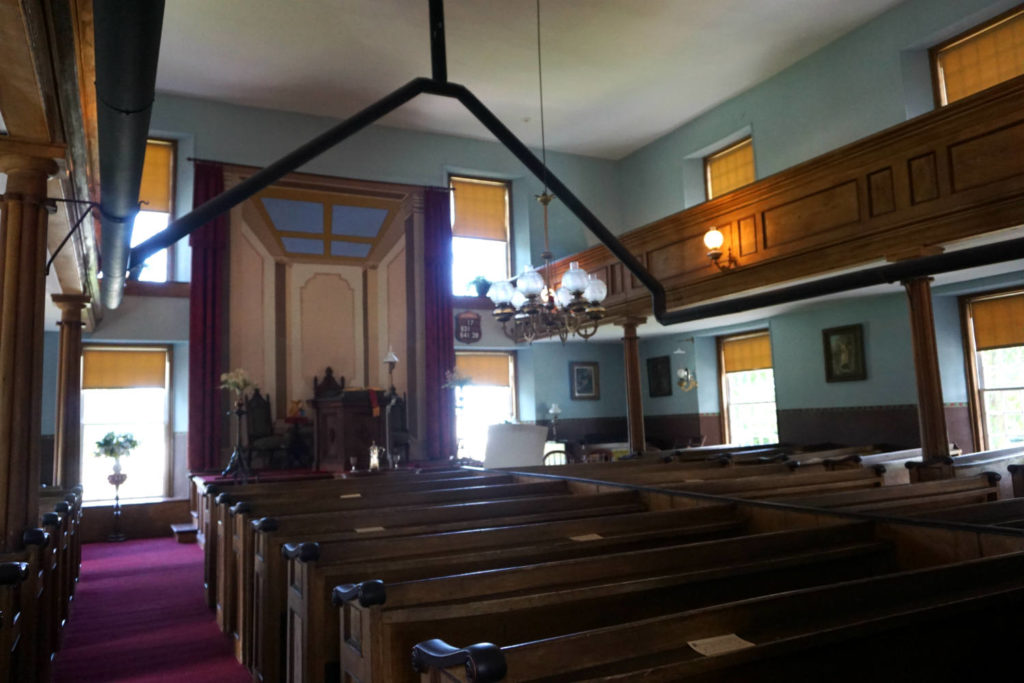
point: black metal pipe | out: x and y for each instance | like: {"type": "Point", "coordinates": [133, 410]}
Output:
{"type": "Point", "coordinates": [127, 43]}
{"type": "Point", "coordinates": [438, 51]}
{"type": "Point", "coordinates": [528, 159]}
{"type": "Point", "coordinates": [984, 255]}
{"type": "Point", "coordinates": [283, 166]}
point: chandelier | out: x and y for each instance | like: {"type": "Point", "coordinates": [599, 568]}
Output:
{"type": "Point", "coordinates": [528, 306]}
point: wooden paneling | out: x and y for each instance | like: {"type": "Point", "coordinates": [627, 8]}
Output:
{"type": "Point", "coordinates": [881, 192]}
{"type": "Point", "coordinates": [947, 175]}
{"type": "Point", "coordinates": [812, 214]}
{"type": "Point", "coordinates": [988, 158]}
{"type": "Point", "coordinates": [924, 182]}
{"type": "Point", "coordinates": [746, 236]}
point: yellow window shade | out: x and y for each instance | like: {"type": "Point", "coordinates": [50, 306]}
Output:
{"type": "Point", "coordinates": [730, 168]}
{"type": "Point", "coordinates": [993, 55]}
{"type": "Point", "coordinates": [481, 210]}
{"type": "Point", "coordinates": [490, 369]}
{"type": "Point", "coordinates": [998, 322]}
{"type": "Point", "coordinates": [123, 368]}
{"type": "Point", "coordinates": [156, 176]}
{"type": "Point", "coordinates": [747, 353]}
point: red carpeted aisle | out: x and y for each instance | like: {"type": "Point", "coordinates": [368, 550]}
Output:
{"type": "Point", "coordinates": [139, 616]}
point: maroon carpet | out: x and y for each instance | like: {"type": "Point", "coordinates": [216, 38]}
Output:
{"type": "Point", "coordinates": [139, 616]}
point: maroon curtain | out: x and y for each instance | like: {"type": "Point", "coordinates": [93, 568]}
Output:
{"type": "Point", "coordinates": [439, 342]}
{"type": "Point", "coordinates": [207, 307]}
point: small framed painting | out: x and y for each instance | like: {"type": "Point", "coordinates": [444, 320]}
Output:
{"type": "Point", "coordinates": [659, 376]}
{"type": "Point", "coordinates": [844, 353]}
{"type": "Point", "coordinates": [584, 382]}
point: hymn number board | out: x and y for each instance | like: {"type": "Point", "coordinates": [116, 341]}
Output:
{"type": "Point", "coordinates": [467, 327]}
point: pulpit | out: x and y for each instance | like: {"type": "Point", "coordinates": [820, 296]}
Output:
{"type": "Point", "coordinates": [348, 422]}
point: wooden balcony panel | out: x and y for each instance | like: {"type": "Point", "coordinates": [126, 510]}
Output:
{"type": "Point", "coordinates": [948, 175]}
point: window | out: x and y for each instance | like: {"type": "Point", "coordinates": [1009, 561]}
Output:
{"type": "Point", "coordinates": [995, 339]}
{"type": "Point", "coordinates": [982, 57]}
{"type": "Point", "coordinates": [729, 168]}
{"type": "Point", "coordinates": [489, 399]}
{"type": "Point", "coordinates": [157, 191]}
{"type": "Point", "coordinates": [480, 220]}
{"type": "Point", "coordinates": [748, 389]}
{"type": "Point", "coordinates": [124, 389]}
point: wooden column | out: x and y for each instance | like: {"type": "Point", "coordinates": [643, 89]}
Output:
{"type": "Point", "coordinates": [23, 221]}
{"type": "Point", "coordinates": [634, 397]}
{"type": "Point", "coordinates": [930, 410]}
{"type": "Point", "coordinates": [67, 461]}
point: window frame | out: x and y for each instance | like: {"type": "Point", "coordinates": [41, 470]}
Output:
{"type": "Point", "coordinates": [723, 383]}
{"type": "Point", "coordinates": [975, 398]}
{"type": "Point", "coordinates": [747, 140]}
{"type": "Point", "coordinates": [509, 269]}
{"type": "Point", "coordinates": [172, 206]}
{"type": "Point", "coordinates": [513, 360]}
{"type": "Point", "coordinates": [168, 349]}
{"type": "Point", "coordinates": [963, 36]}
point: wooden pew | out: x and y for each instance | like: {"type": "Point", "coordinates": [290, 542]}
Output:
{"type": "Point", "coordinates": [234, 538]}
{"type": "Point", "coordinates": [837, 632]}
{"type": "Point", "coordinates": [769, 487]}
{"type": "Point", "coordinates": [262, 615]}
{"type": "Point", "coordinates": [210, 515]}
{"type": "Point", "coordinates": [962, 466]}
{"type": "Point", "coordinates": [381, 622]}
{"type": "Point", "coordinates": [901, 499]}
{"type": "Point", "coordinates": [1007, 514]}
{"type": "Point", "coordinates": [311, 580]}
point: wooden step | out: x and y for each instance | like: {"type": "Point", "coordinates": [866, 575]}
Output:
{"type": "Point", "coordinates": [185, 533]}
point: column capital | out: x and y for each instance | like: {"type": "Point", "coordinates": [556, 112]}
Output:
{"type": "Point", "coordinates": [631, 321]}
{"type": "Point", "coordinates": [12, 164]}
{"type": "Point", "coordinates": [69, 303]}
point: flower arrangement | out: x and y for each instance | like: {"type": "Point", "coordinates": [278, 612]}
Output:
{"type": "Point", "coordinates": [237, 381]}
{"type": "Point", "coordinates": [115, 445]}
{"type": "Point", "coordinates": [453, 380]}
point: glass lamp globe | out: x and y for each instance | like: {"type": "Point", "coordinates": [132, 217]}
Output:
{"type": "Point", "coordinates": [713, 239]}
{"type": "Point", "coordinates": [501, 292]}
{"type": "Point", "coordinates": [575, 279]}
{"type": "Point", "coordinates": [530, 283]}
{"type": "Point", "coordinates": [563, 297]}
{"type": "Point", "coordinates": [518, 299]}
{"type": "Point", "coordinates": [596, 290]}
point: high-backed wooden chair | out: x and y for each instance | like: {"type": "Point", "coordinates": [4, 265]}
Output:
{"type": "Point", "coordinates": [264, 442]}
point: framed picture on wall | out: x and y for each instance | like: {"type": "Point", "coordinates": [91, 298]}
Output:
{"type": "Point", "coordinates": [584, 382]}
{"type": "Point", "coordinates": [844, 353]}
{"type": "Point", "coordinates": [659, 376]}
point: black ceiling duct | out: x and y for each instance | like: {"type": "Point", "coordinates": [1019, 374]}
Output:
{"type": "Point", "coordinates": [127, 38]}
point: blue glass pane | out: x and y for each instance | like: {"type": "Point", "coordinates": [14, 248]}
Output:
{"type": "Point", "coordinates": [298, 245]}
{"type": "Point", "coordinates": [353, 249]}
{"type": "Point", "coordinates": [357, 221]}
{"type": "Point", "coordinates": [289, 215]}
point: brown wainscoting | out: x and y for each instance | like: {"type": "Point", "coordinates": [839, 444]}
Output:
{"type": "Point", "coordinates": [590, 429]}
{"type": "Point", "coordinates": [958, 426]}
{"type": "Point", "coordinates": [138, 520]}
{"type": "Point", "coordinates": [711, 428]}
{"type": "Point", "coordinates": [47, 444]}
{"type": "Point", "coordinates": [672, 431]}
{"type": "Point", "coordinates": [894, 426]}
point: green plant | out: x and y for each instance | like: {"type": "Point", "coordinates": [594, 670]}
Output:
{"type": "Point", "coordinates": [481, 284]}
{"type": "Point", "coordinates": [115, 445]}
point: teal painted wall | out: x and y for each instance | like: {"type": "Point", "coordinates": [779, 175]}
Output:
{"type": "Point", "coordinates": [51, 360]}
{"type": "Point", "coordinates": [799, 359]}
{"type": "Point", "coordinates": [680, 402]}
{"type": "Point", "coordinates": [256, 137]}
{"type": "Point", "coordinates": [551, 377]}
{"type": "Point", "coordinates": [869, 79]}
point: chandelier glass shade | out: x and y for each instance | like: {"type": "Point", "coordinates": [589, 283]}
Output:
{"type": "Point", "coordinates": [530, 308]}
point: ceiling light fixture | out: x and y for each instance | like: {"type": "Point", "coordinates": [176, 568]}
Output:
{"type": "Point", "coordinates": [531, 307]}
{"type": "Point", "coordinates": [713, 240]}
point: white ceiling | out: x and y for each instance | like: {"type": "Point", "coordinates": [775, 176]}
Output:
{"type": "Point", "coordinates": [617, 73]}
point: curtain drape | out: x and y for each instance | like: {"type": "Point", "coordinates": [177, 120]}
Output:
{"type": "Point", "coordinates": [207, 302]}
{"type": "Point", "coordinates": [439, 343]}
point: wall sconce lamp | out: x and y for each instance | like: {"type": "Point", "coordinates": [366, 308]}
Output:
{"type": "Point", "coordinates": [713, 240]}
{"type": "Point", "coordinates": [686, 380]}
{"type": "Point", "coordinates": [391, 360]}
